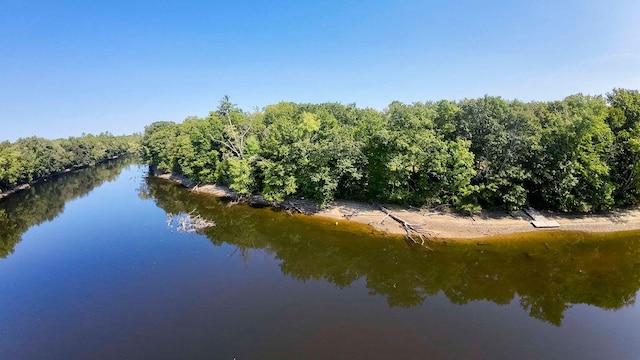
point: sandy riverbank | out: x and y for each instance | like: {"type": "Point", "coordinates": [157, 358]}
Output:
{"type": "Point", "coordinates": [447, 225]}
{"type": "Point", "coordinates": [487, 223]}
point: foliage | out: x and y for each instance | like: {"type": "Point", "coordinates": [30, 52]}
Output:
{"type": "Point", "coordinates": [502, 137]}
{"type": "Point", "coordinates": [33, 158]}
{"type": "Point", "coordinates": [572, 173]}
{"type": "Point", "coordinates": [411, 162]}
{"type": "Point", "coordinates": [580, 154]}
{"type": "Point", "coordinates": [624, 121]}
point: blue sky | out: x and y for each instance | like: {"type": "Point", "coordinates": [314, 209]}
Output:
{"type": "Point", "coordinates": [68, 67]}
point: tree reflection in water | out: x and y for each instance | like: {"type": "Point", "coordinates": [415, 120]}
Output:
{"type": "Point", "coordinates": [44, 201]}
{"type": "Point", "coordinates": [548, 272]}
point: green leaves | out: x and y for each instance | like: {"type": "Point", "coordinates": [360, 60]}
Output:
{"type": "Point", "coordinates": [411, 161]}
{"type": "Point", "coordinates": [502, 136]}
{"type": "Point", "coordinates": [157, 141]}
{"type": "Point", "coordinates": [578, 154]}
{"type": "Point", "coordinates": [624, 160]}
{"type": "Point", "coordinates": [240, 175]}
{"type": "Point", "coordinates": [573, 172]}
{"type": "Point", "coordinates": [11, 170]}
{"type": "Point", "coordinates": [33, 158]}
{"type": "Point", "coordinates": [279, 181]}
{"type": "Point", "coordinates": [307, 151]}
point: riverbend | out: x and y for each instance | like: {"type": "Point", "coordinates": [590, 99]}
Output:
{"type": "Point", "coordinates": [96, 265]}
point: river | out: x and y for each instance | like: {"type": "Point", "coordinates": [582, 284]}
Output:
{"type": "Point", "coordinates": [93, 265]}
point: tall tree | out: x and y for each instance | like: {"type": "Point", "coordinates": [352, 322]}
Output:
{"type": "Point", "coordinates": [572, 172]}
{"type": "Point", "coordinates": [502, 136]}
{"type": "Point", "coordinates": [624, 121]}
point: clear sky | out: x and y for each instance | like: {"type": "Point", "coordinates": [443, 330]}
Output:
{"type": "Point", "coordinates": [68, 67]}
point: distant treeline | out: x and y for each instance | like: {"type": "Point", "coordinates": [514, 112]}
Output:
{"type": "Point", "coordinates": [33, 158]}
{"type": "Point", "coordinates": [580, 154]}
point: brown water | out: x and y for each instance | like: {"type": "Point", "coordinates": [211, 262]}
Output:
{"type": "Point", "coordinates": [92, 269]}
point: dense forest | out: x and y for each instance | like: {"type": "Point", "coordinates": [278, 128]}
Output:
{"type": "Point", "coordinates": [33, 158]}
{"type": "Point", "coordinates": [579, 154]}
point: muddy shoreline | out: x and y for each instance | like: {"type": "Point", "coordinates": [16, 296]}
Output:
{"type": "Point", "coordinates": [434, 224]}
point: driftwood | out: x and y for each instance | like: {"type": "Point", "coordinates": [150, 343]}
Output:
{"type": "Point", "coordinates": [409, 228]}
{"type": "Point", "coordinates": [14, 190]}
{"type": "Point", "coordinates": [384, 218]}
{"type": "Point", "coordinates": [432, 214]}
{"type": "Point", "coordinates": [349, 214]}
{"type": "Point", "coordinates": [290, 207]}
{"type": "Point", "coordinates": [257, 200]}
{"type": "Point", "coordinates": [304, 207]}
{"type": "Point", "coordinates": [188, 222]}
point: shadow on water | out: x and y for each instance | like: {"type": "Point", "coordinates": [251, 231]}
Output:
{"type": "Point", "coordinates": [44, 201]}
{"type": "Point", "coordinates": [547, 272]}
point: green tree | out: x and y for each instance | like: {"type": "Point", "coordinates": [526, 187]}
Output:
{"type": "Point", "coordinates": [194, 153]}
{"type": "Point", "coordinates": [503, 136]}
{"type": "Point", "coordinates": [285, 148]}
{"type": "Point", "coordinates": [411, 163]}
{"type": "Point", "coordinates": [157, 141]}
{"type": "Point", "coordinates": [11, 171]}
{"type": "Point", "coordinates": [624, 121]}
{"type": "Point", "coordinates": [571, 173]}
{"type": "Point", "coordinates": [562, 155]}
{"type": "Point", "coordinates": [234, 132]}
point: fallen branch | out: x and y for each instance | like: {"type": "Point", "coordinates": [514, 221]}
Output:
{"type": "Point", "coordinates": [289, 205]}
{"type": "Point", "coordinates": [408, 228]}
{"type": "Point", "coordinates": [432, 214]}
{"type": "Point", "coordinates": [349, 215]}
{"type": "Point", "coordinates": [384, 218]}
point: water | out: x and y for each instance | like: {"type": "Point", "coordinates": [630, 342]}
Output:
{"type": "Point", "coordinates": [89, 268]}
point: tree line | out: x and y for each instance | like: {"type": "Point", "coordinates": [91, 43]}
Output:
{"type": "Point", "coordinates": [579, 154]}
{"type": "Point", "coordinates": [29, 159]}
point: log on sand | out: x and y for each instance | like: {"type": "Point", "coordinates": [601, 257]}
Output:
{"type": "Point", "coordinates": [410, 229]}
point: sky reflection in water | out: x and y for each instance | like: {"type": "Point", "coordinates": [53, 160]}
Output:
{"type": "Point", "coordinates": [91, 269]}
